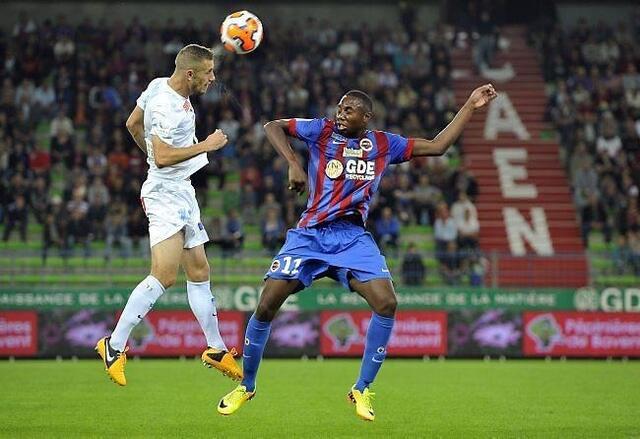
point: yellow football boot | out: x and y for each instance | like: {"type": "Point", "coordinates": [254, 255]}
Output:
{"type": "Point", "coordinates": [113, 360]}
{"type": "Point", "coordinates": [233, 400]}
{"type": "Point", "coordinates": [362, 400]}
{"type": "Point", "coordinates": [224, 361]}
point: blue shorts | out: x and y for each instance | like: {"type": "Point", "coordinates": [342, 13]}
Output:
{"type": "Point", "coordinates": [338, 249]}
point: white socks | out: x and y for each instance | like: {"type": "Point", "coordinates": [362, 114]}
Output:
{"type": "Point", "coordinates": [203, 305]}
{"type": "Point", "coordinates": [144, 296]}
{"type": "Point", "coordinates": [140, 302]}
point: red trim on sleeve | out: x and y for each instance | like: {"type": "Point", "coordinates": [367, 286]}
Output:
{"type": "Point", "coordinates": [409, 151]}
{"type": "Point", "coordinates": [292, 128]}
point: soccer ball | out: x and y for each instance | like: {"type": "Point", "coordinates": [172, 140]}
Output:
{"type": "Point", "coordinates": [241, 32]}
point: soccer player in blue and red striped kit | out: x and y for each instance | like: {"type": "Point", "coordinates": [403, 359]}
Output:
{"type": "Point", "coordinates": [346, 164]}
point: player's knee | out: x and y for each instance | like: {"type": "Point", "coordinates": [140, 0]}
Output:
{"type": "Point", "coordinates": [166, 279]}
{"type": "Point", "coordinates": [386, 306]}
{"type": "Point", "coordinates": [264, 312]}
{"type": "Point", "coordinates": [199, 273]}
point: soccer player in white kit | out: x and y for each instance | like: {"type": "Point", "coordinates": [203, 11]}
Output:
{"type": "Point", "coordinates": [163, 126]}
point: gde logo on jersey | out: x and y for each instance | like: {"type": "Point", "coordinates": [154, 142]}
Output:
{"type": "Point", "coordinates": [355, 169]}
{"type": "Point", "coordinates": [360, 170]}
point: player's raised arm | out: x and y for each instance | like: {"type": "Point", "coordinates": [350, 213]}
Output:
{"type": "Point", "coordinates": [135, 126]}
{"type": "Point", "coordinates": [276, 132]}
{"type": "Point", "coordinates": [167, 155]}
{"type": "Point", "coordinates": [479, 98]}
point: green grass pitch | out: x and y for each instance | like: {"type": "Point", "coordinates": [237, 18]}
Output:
{"type": "Point", "coordinates": [296, 398]}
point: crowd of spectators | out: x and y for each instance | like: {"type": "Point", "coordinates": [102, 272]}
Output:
{"type": "Point", "coordinates": [67, 162]}
{"type": "Point", "coordinates": [593, 74]}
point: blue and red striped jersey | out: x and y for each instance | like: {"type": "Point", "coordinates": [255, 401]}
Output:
{"type": "Point", "coordinates": [344, 173]}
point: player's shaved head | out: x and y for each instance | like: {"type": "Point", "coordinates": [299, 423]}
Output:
{"type": "Point", "coordinates": [194, 70]}
{"type": "Point", "coordinates": [365, 99]}
{"type": "Point", "coordinates": [191, 57]}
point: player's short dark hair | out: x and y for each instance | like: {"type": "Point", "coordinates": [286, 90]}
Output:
{"type": "Point", "coordinates": [365, 99]}
{"type": "Point", "coordinates": [191, 54]}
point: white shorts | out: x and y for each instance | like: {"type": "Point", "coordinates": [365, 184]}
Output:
{"type": "Point", "coordinates": [171, 206]}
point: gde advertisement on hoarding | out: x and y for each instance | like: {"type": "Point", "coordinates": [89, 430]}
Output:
{"type": "Point", "coordinates": [581, 334]}
{"type": "Point", "coordinates": [414, 333]}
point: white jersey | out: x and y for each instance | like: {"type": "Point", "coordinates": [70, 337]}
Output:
{"type": "Point", "coordinates": [169, 116]}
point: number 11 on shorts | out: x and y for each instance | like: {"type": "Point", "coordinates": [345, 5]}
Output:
{"type": "Point", "coordinates": [287, 265]}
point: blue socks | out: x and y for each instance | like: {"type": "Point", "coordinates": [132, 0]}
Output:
{"type": "Point", "coordinates": [255, 339]}
{"type": "Point", "coordinates": [375, 349]}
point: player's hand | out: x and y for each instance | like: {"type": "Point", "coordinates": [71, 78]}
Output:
{"type": "Point", "coordinates": [297, 179]}
{"type": "Point", "coordinates": [481, 96]}
{"type": "Point", "coordinates": [215, 140]}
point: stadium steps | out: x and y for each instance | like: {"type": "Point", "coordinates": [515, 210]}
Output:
{"type": "Point", "coordinates": [526, 92]}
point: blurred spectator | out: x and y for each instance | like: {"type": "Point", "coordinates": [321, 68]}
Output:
{"type": "Point", "coordinates": [413, 268]}
{"type": "Point", "coordinates": [77, 230]}
{"type": "Point", "coordinates": [445, 231]}
{"type": "Point", "coordinates": [233, 228]}
{"type": "Point", "coordinates": [61, 123]}
{"type": "Point", "coordinates": [117, 231]}
{"type": "Point", "coordinates": [466, 218]}
{"type": "Point", "coordinates": [118, 157]}
{"type": "Point", "coordinates": [62, 149]}
{"type": "Point", "coordinates": [468, 229]}
{"type": "Point", "coordinates": [478, 266]}
{"type": "Point", "coordinates": [17, 215]}
{"type": "Point", "coordinates": [586, 196]}
{"type": "Point", "coordinates": [39, 199]}
{"type": "Point", "coordinates": [621, 255]}
{"type": "Point", "coordinates": [40, 162]}
{"type": "Point", "coordinates": [223, 238]}
{"type": "Point", "coordinates": [485, 47]}
{"type": "Point", "coordinates": [425, 199]}
{"type": "Point", "coordinates": [96, 162]}
{"type": "Point", "coordinates": [138, 227]}
{"type": "Point", "coordinates": [449, 264]}
{"type": "Point", "coordinates": [98, 198]}
{"type": "Point", "coordinates": [44, 99]}
{"type": "Point", "coordinates": [609, 141]}
{"type": "Point", "coordinates": [463, 181]}
{"type": "Point", "coordinates": [273, 231]}
{"type": "Point", "coordinates": [404, 199]}
{"type": "Point", "coordinates": [229, 125]}
{"type": "Point", "coordinates": [51, 233]}
{"type": "Point", "coordinates": [387, 230]}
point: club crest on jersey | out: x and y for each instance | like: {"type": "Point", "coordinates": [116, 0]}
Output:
{"type": "Point", "coordinates": [274, 266]}
{"type": "Point", "coordinates": [186, 106]}
{"type": "Point", "coordinates": [366, 144]}
{"type": "Point", "coordinates": [347, 152]}
{"type": "Point", "coordinates": [334, 169]}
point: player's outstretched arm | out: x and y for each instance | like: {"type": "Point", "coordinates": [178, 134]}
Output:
{"type": "Point", "coordinates": [276, 132]}
{"type": "Point", "coordinates": [135, 126]}
{"type": "Point", "coordinates": [479, 98]}
{"type": "Point", "coordinates": [167, 155]}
